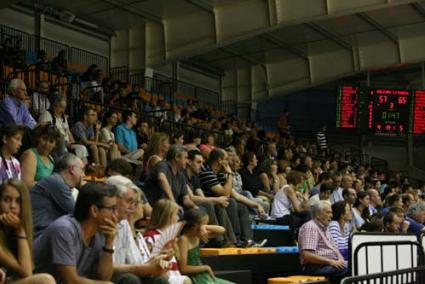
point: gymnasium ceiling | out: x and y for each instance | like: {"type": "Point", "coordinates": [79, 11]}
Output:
{"type": "Point", "coordinates": [286, 44]}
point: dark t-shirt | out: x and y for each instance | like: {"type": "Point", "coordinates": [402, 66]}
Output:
{"type": "Point", "coordinates": [51, 198]}
{"type": "Point", "coordinates": [209, 179]}
{"type": "Point", "coordinates": [62, 244]}
{"type": "Point", "coordinates": [177, 182]}
{"type": "Point", "coordinates": [193, 182]}
{"type": "Point", "coordinates": [251, 182]}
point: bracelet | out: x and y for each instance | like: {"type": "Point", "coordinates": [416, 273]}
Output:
{"type": "Point", "coordinates": [21, 237]}
{"type": "Point", "coordinates": [108, 250]}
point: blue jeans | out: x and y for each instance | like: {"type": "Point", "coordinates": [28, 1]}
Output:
{"type": "Point", "coordinates": [334, 274]}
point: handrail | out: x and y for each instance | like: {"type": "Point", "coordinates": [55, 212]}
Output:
{"type": "Point", "coordinates": [416, 275]}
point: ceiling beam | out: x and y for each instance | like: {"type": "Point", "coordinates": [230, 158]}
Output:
{"type": "Point", "coordinates": [280, 43]}
{"type": "Point", "coordinates": [327, 34]}
{"type": "Point", "coordinates": [202, 4]}
{"type": "Point", "coordinates": [234, 54]}
{"type": "Point", "coordinates": [420, 8]}
{"type": "Point", "coordinates": [378, 26]}
{"type": "Point", "coordinates": [135, 11]}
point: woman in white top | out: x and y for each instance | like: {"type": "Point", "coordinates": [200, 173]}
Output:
{"type": "Point", "coordinates": [288, 203]}
{"type": "Point", "coordinates": [107, 135]}
{"type": "Point", "coordinates": [56, 116]}
{"type": "Point", "coordinates": [360, 209]}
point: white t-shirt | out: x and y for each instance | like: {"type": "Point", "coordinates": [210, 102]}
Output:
{"type": "Point", "coordinates": [106, 135]}
{"type": "Point", "coordinates": [281, 203]}
{"type": "Point", "coordinates": [61, 123]}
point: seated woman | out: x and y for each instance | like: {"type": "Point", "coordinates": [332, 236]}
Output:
{"type": "Point", "coordinates": [269, 177]}
{"type": "Point", "coordinates": [10, 142]}
{"type": "Point", "coordinates": [339, 227]}
{"type": "Point", "coordinates": [107, 136]}
{"type": "Point", "coordinates": [361, 212]}
{"type": "Point", "coordinates": [16, 235]}
{"type": "Point", "coordinates": [288, 205]}
{"type": "Point", "coordinates": [37, 163]}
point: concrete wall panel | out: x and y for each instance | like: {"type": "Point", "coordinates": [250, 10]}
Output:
{"type": "Point", "coordinates": [254, 13]}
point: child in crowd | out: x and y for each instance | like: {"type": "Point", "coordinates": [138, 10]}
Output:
{"type": "Point", "coordinates": [16, 236]}
{"type": "Point", "coordinates": [195, 230]}
{"type": "Point", "coordinates": [164, 214]}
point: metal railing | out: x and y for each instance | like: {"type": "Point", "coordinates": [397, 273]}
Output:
{"type": "Point", "coordinates": [418, 254]}
{"type": "Point", "coordinates": [403, 276]}
{"type": "Point", "coordinates": [33, 43]}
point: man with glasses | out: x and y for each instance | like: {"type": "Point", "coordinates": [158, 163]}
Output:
{"type": "Point", "coordinates": [78, 248]}
{"type": "Point", "coordinates": [52, 196]}
{"type": "Point", "coordinates": [84, 133]}
{"type": "Point", "coordinates": [13, 109]}
{"type": "Point", "coordinates": [130, 265]}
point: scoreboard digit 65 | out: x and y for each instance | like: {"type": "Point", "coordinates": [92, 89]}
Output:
{"type": "Point", "coordinates": [390, 110]}
{"type": "Point", "coordinates": [379, 110]}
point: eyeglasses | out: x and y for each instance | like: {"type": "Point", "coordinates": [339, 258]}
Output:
{"type": "Point", "coordinates": [112, 208]}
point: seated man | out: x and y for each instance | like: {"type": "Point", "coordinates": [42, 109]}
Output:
{"type": "Point", "coordinates": [126, 138]}
{"type": "Point", "coordinates": [130, 265]}
{"type": "Point", "coordinates": [217, 180]}
{"type": "Point", "coordinates": [13, 109]}
{"type": "Point", "coordinates": [40, 99]}
{"type": "Point", "coordinates": [166, 180]}
{"type": "Point", "coordinates": [77, 248]}
{"type": "Point", "coordinates": [52, 196]}
{"type": "Point", "coordinates": [416, 218]}
{"type": "Point", "coordinates": [215, 207]}
{"type": "Point", "coordinates": [318, 252]}
{"type": "Point", "coordinates": [85, 134]}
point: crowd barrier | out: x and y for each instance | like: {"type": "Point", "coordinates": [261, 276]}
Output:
{"type": "Point", "coordinates": [381, 252]}
{"type": "Point", "coordinates": [414, 275]}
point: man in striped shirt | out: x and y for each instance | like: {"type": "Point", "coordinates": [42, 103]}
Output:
{"type": "Point", "coordinates": [321, 139]}
{"type": "Point", "coordinates": [217, 180]}
{"type": "Point", "coordinates": [318, 251]}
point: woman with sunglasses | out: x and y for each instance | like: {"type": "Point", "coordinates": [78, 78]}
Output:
{"type": "Point", "coordinates": [37, 163]}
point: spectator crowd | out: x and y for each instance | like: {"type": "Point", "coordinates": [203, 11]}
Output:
{"type": "Point", "coordinates": [57, 227]}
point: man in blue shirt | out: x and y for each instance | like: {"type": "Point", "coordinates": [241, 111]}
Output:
{"type": "Point", "coordinates": [126, 137]}
{"type": "Point", "coordinates": [13, 109]}
{"type": "Point", "coordinates": [416, 218]}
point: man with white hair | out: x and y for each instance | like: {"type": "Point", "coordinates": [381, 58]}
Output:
{"type": "Point", "coordinates": [318, 252]}
{"type": "Point", "coordinates": [13, 109]}
{"type": "Point", "coordinates": [130, 266]}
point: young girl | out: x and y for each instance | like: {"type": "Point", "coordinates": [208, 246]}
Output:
{"type": "Point", "coordinates": [195, 229]}
{"type": "Point", "coordinates": [16, 235]}
{"type": "Point", "coordinates": [164, 214]}
{"type": "Point", "coordinates": [10, 142]}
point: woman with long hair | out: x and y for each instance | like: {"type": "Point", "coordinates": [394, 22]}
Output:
{"type": "Point", "coordinates": [156, 150]}
{"type": "Point", "coordinates": [361, 213]}
{"type": "Point", "coordinates": [107, 136]}
{"type": "Point", "coordinates": [10, 142]}
{"type": "Point", "coordinates": [37, 163]}
{"type": "Point", "coordinates": [16, 235]}
{"type": "Point", "coordinates": [164, 214]}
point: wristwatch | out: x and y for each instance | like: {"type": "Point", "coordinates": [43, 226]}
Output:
{"type": "Point", "coordinates": [109, 250]}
